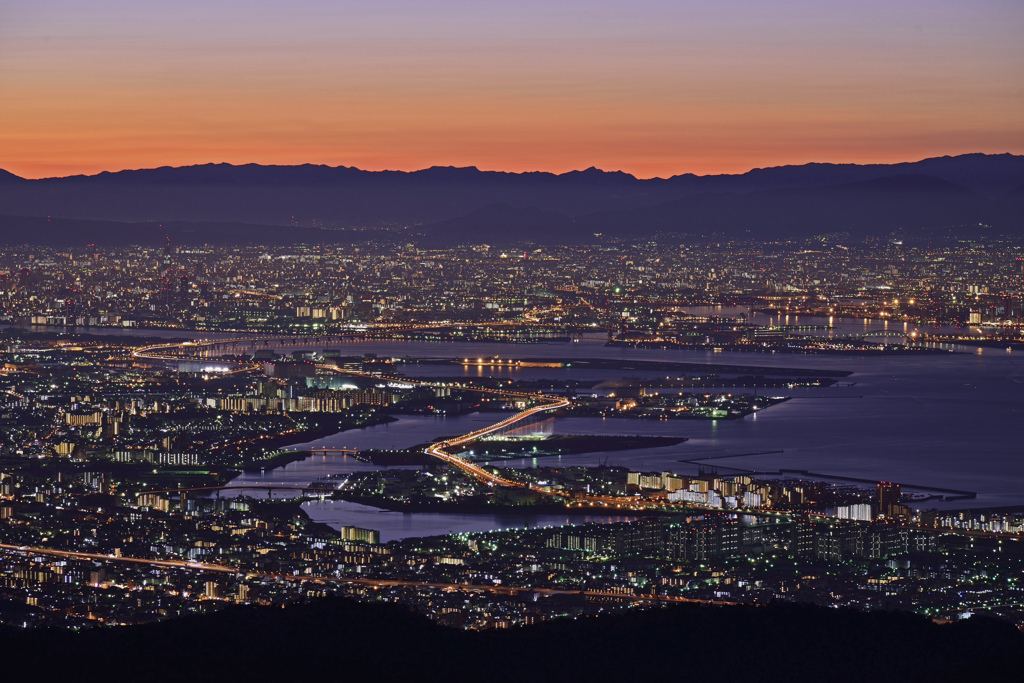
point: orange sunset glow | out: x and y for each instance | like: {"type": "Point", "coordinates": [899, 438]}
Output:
{"type": "Point", "coordinates": [654, 89]}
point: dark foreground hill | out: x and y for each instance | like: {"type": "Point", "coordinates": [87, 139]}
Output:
{"type": "Point", "coordinates": [341, 640]}
{"type": "Point", "coordinates": [455, 205]}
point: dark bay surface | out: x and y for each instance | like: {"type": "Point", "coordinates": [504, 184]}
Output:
{"type": "Point", "coordinates": [398, 525]}
{"type": "Point", "coordinates": [949, 421]}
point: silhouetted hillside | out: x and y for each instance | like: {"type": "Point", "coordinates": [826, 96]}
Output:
{"type": "Point", "coordinates": [465, 204]}
{"type": "Point", "coordinates": [337, 639]}
{"type": "Point", "coordinates": [8, 177]}
{"type": "Point", "coordinates": [987, 174]}
{"type": "Point", "coordinates": [342, 197]}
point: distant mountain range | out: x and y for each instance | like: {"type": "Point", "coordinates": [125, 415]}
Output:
{"type": "Point", "coordinates": [221, 203]}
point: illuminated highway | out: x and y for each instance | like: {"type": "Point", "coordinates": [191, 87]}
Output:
{"type": "Point", "coordinates": [375, 583]}
{"type": "Point", "coordinates": [98, 557]}
{"type": "Point", "coordinates": [440, 450]}
{"type": "Point", "coordinates": [170, 352]}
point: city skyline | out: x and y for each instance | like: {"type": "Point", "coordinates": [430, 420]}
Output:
{"type": "Point", "coordinates": [653, 89]}
{"type": "Point", "coordinates": [542, 339]}
{"type": "Point", "coordinates": [187, 428]}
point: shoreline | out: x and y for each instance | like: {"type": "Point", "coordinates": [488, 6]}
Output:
{"type": "Point", "coordinates": [486, 508]}
{"type": "Point", "coordinates": [571, 444]}
{"type": "Point", "coordinates": [283, 458]}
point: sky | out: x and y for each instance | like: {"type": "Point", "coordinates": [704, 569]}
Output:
{"type": "Point", "coordinates": [650, 87]}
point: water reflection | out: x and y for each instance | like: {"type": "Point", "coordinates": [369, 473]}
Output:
{"type": "Point", "coordinates": [947, 421]}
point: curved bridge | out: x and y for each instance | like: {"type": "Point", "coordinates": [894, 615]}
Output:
{"type": "Point", "coordinates": [361, 581]}
{"type": "Point", "coordinates": [442, 450]}
{"type": "Point", "coordinates": [189, 351]}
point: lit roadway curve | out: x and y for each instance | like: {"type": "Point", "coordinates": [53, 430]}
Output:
{"type": "Point", "coordinates": [480, 474]}
{"type": "Point", "coordinates": [438, 450]}
{"type": "Point", "coordinates": [441, 450]}
{"type": "Point", "coordinates": [99, 557]}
